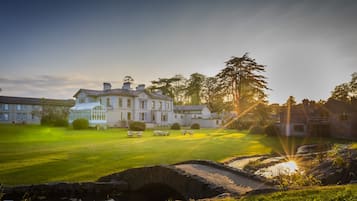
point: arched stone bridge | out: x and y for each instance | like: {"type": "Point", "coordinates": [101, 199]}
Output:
{"type": "Point", "coordinates": [183, 181]}
{"type": "Point", "coordinates": [192, 179]}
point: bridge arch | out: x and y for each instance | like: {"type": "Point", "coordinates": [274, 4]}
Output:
{"type": "Point", "coordinates": [175, 181]}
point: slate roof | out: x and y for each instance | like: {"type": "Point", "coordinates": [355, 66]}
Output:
{"type": "Point", "coordinates": [189, 107]}
{"type": "Point", "coordinates": [121, 92]}
{"type": "Point", "coordinates": [36, 101]}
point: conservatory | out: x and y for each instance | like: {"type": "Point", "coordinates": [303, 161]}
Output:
{"type": "Point", "coordinates": [94, 112]}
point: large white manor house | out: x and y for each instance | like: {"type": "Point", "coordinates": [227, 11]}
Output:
{"type": "Point", "coordinates": [115, 107]}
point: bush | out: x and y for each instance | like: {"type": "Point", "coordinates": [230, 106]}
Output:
{"type": "Point", "coordinates": [195, 126]}
{"type": "Point", "coordinates": [175, 126]}
{"type": "Point", "coordinates": [79, 124]}
{"type": "Point", "coordinates": [61, 123]}
{"type": "Point", "coordinates": [256, 130]}
{"type": "Point", "coordinates": [271, 130]}
{"type": "Point", "coordinates": [51, 120]}
{"type": "Point", "coordinates": [137, 126]}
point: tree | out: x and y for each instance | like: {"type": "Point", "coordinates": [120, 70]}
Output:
{"type": "Point", "coordinates": [165, 85]}
{"type": "Point", "coordinates": [194, 86]}
{"type": "Point", "coordinates": [212, 95]}
{"type": "Point", "coordinates": [179, 87]}
{"type": "Point", "coordinates": [128, 78]}
{"type": "Point", "coordinates": [346, 92]}
{"type": "Point", "coordinates": [242, 80]}
{"type": "Point", "coordinates": [291, 101]}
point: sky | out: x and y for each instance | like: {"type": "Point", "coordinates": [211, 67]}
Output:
{"type": "Point", "coordinates": [53, 48]}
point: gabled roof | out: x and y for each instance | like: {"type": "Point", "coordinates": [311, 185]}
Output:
{"type": "Point", "coordinates": [189, 107]}
{"type": "Point", "coordinates": [121, 92]}
{"type": "Point", "coordinates": [36, 101]}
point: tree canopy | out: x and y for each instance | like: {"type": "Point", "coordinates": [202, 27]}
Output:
{"type": "Point", "coordinates": [242, 80]}
{"type": "Point", "coordinates": [346, 92]}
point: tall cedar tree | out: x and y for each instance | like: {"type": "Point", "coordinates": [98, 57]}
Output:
{"type": "Point", "coordinates": [242, 80]}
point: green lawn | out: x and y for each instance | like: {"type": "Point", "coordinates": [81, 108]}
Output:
{"type": "Point", "coordinates": [35, 154]}
{"type": "Point", "coordinates": [326, 193]}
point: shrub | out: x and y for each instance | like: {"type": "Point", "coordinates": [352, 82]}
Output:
{"type": "Point", "coordinates": [271, 130]}
{"type": "Point", "coordinates": [61, 123]}
{"type": "Point", "coordinates": [256, 130]}
{"type": "Point", "coordinates": [195, 126]}
{"type": "Point", "coordinates": [79, 124]}
{"type": "Point", "coordinates": [137, 126]}
{"type": "Point", "coordinates": [176, 126]}
{"type": "Point", "coordinates": [52, 120]}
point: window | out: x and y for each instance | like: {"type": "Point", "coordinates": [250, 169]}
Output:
{"type": "Point", "coordinates": [142, 104]}
{"type": "Point", "coordinates": [129, 116]}
{"type": "Point", "coordinates": [121, 115]}
{"type": "Point", "coordinates": [153, 105]}
{"type": "Point", "coordinates": [20, 116]}
{"type": "Point", "coordinates": [142, 116]}
{"type": "Point", "coordinates": [81, 100]}
{"type": "Point", "coordinates": [164, 117]}
{"type": "Point", "coordinates": [153, 117]}
{"type": "Point", "coordinates": [299, 128]}
{"type": "Point", "coordinates": [6, 106]}
{"type": "Point", "coordinates": [167, 106]}
{"type": "Point", "coordinates": [160, 105]}
{"type": "Point", "coordinates": [108, 102]}
{"type": "Point", "coordinates": [120, 102]}
{"type": "Point", "coordinates": [18, 107]}
{"type": "Point", "coordinates": [129, 103]}
{"type": "Point", "coordinates": [6, 116]}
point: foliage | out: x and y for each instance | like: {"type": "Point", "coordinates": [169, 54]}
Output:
{"type": "Point", "coordinates": [194, 87]}
{"type": "Point", "coordinates": [53, 116]}
{"type": "Point", "coordinates": [243, 81]}
{"type": "Point", "coordinates": [195, 126]}
{"type": "Point", "coordinates": [165, 85]}
{"type": "Point", "coordinates": [297, 179]}
{"type": "Point", "coordinates": [137, 126]}
{"type": "Point", "coordinates": [128, 79]}
{"type": "Point", "coordinates": [272, 130]}
{"type": "Point", "coordinates": [256, 129]}
{"type": "Point", "coordinates": [346, 92]}
{"type": "Point", "coordinates": [213, 95]}
{"type": "Point", "coordinates": [238, 124]}
{"type": "Point", "coordinates": [175, 126]}
{"type": "Point", "coordinates": [291, 101]}
{"type": "Point", "coordinates": [61, 123]}
{"type": "Point", "coordinates": [317, 193]}
{"type": "Point", "coordinates": [80, 124]}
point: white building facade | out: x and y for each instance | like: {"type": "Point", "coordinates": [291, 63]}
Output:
{"type": "Point", "coordinates": [126, 104]}
{"type": "Point", "coordinates": [186, 115]}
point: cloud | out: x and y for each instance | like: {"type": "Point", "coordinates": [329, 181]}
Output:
{"type": "Point", "coordinates": [48, 86]}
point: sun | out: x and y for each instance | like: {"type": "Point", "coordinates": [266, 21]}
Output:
{"type": "Point", "coordinates": [290, 167]}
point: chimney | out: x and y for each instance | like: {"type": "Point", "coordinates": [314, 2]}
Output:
{"type": "Point", "coordinates": [140, 87]}
{"type": "Point", "coordinates": [126, 85]}
{"type": "Point", "coordinates": [107, 86]}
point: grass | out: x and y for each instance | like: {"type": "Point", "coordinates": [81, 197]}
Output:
{"type": "Point", "coordinates": [326, 193]}
{"type": "Point", "coordinates": [32, 154]}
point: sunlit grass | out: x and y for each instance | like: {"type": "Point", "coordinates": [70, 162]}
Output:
{"type": "Point", "coordinates": [35, 154]}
